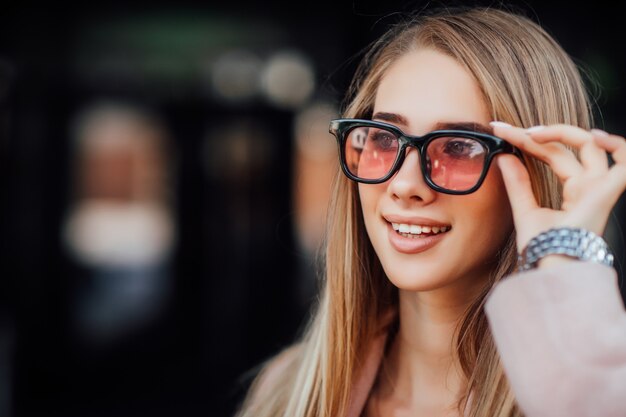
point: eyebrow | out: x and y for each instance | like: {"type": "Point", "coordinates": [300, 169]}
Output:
{"type": "Point", "coordinates": [391, 118]}
{"type": "Point", "coordinates": [401, 120]}
{"type": "Point", "coordinates": [471, 126]}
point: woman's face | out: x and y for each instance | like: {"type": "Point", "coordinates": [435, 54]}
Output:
{"type": "Point", "coordinates": [423, 91]}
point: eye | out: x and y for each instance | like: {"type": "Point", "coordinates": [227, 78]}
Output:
{"type": "Point", "coordinates": [462, 148]}
{"type": "Point", "coordinates": [383, 140]}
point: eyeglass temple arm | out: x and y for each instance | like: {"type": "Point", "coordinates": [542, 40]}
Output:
{"type": "Point", "coordinates": [334, 126]}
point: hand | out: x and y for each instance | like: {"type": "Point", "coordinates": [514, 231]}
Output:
{"type": "Point", "coordinates": [590, 187]}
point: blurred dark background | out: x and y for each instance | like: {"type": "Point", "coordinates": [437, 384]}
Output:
{"type": "Point", "coordinates": [164, 170]}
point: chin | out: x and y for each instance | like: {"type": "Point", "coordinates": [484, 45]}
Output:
{"type": "Point", "coordinates": [418, 279]}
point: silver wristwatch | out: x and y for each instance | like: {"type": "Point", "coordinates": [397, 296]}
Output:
{"type": "Point", "coordinates": [573, 242]}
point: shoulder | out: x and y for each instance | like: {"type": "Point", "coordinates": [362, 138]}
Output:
{"type": "Point", "coordinates": [274, 371]}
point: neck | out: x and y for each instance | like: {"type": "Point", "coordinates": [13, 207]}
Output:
{"type": "Point", "coordinates": [422, 365]}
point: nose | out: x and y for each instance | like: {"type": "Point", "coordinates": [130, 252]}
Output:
{"type": "Point", "coordinates": [408, 183]}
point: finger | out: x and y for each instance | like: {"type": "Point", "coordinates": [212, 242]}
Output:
{"type": "Point", "coordinates": [567, 134]}
{"type": "Point", "coordinates": [560, 159]}
{"type": "Point", "coordinates": [517, 183]}
{"type": "Point", "coordinates": [592, 158]}
{"type": "Point", "coordinates": [616, 146]}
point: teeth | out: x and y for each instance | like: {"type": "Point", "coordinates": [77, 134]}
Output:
{"type": "Point", "coordinates": [415, 229]}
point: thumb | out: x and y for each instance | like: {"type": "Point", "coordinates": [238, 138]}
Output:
{"type": "Point", "coordinates": [517, 183]}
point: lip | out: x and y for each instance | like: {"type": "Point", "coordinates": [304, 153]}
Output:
{"type": "Point", "coordinates": [421, 221]}
{"type": "Point", "coordinates": [412, 245]}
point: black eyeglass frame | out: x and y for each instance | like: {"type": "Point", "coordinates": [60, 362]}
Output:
{"type": "Point", "coordinates": [495, 145]}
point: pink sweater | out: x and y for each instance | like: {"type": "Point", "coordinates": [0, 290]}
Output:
{"type": "Point", "coordinates": [561, 335]}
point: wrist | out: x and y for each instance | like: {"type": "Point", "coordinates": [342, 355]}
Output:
{"type": "Point", "coordinates": [554, 259]}
{"type": "Point", "coordinates": [559, 245]}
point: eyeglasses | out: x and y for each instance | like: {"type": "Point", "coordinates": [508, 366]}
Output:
{"type": "Point", "coordinates": [452, 161]}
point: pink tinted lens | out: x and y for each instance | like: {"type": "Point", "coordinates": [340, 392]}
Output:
{"type": "Point", "coordinates": [456, 163]}
{"type": "Point", "coordinates": [370, 152]}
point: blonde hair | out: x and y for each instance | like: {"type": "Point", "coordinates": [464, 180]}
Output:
{"type": "Point", "coordinates": [526, 79]}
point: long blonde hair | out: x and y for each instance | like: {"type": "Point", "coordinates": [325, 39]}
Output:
{"type": "Point", "coordinates": [526, 79]}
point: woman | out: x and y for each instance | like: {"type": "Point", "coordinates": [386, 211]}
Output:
{"type": "Point", "coordinates": [420, 237]}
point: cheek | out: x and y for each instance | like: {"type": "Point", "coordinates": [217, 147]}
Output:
{"type": "Point", "coordinates": [501, 199]}
{"type": "Point", "coordinates": [369, 196]}
{"type": "Point", "coordinates": [492, 206]}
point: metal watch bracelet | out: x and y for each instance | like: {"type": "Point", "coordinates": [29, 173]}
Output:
{"type": "Point", "coordinates": [573, 242]}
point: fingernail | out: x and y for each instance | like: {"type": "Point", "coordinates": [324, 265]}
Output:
{"type": "Point", "coordinates": [497, 123]}
{"type": "Point", "coordinates": [535, 128]}
{"type": "Point", "coordinates": [599, 132]}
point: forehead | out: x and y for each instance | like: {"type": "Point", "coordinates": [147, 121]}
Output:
{"type": "Point", "coordinates": [426, 87]}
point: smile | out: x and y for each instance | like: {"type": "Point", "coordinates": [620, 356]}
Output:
{"type": "Point", "coordinates": [412, 238]}
{"type": "Point", "coordinates": [415, 230]}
